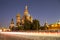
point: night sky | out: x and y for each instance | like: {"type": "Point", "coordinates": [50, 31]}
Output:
{"type": "Point", "coordinates": [39, 9]}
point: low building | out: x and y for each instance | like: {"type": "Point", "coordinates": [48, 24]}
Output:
{"type": "Point", "coordinates": [54, 26]}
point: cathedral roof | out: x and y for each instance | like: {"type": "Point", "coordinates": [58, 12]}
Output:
{"type": "Point", "coordinates": [18, 14]}
{"type": "Point", "coordinates": [26, 10]}
{"type": "Point", "coordinates": [28, 15]}
{"type": "Point", "coordinates": [12, 22]}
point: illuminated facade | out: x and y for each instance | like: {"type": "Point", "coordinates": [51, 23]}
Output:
{"type": "Point", "coordinates": [54, 26]}
{"type": "Point", "coordinates": [26, 16]}
{"type": "Point", "coordinates": [46, 25]}
{"type": "Point", "coordinates": [18, 20]}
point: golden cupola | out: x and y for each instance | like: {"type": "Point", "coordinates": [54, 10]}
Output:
{"type": "Point", "coordinates": [18, 21]}
{"type": "Point", "coordinates": [26, 11]}
{"type": "Point", "coordinates": [18, 15]}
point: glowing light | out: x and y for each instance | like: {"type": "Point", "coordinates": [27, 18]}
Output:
{"type": "Point", "coordinates": [32, 33]}
{"type": "Point", "coordinates": [0, 30]}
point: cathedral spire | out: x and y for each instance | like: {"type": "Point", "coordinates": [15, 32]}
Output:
{"type": "Point", "coordinates": [12, 22]}
{"type": "Point", "coordinates": [46, 23]}
{"type": "Point", "coordinates": [58, 22]}
{"type": "Point", "coordinates": [26, 10]}
{"type": "Point", "coordinates": [18, 20]}
{"type": "Point", "coordinates": [26, 7]}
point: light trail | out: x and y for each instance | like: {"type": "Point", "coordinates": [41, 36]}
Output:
{"type": "Point", "coordinates": [0, 30]}
{"type": "Point", "coordinates": [32, 33]}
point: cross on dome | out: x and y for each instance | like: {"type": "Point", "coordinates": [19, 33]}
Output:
{"type": "Point", "coordinates": [26, 7]}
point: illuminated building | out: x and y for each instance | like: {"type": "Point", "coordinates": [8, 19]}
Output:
{"type": "Point", "coordinates": [54, 26]}
{"type": "Point", "coordinates": [18, 21]}
{"type": "Point", "coordinates": [46, 25]}
{"type": "Point", "coordinates": [11, 24]}
{"type": "Point", "coordinates": [26, 15]}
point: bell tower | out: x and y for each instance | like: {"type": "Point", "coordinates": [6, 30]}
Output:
{"type": "Point", "coordinates": [11, 24]}
{"type": "Point", "coordinates": [18, 21]}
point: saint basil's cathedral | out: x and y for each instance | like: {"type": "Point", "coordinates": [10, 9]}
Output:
{"type": "Point", "coordinates": [19, 20]}
{"type": "Point", "coordinates": [27, 16]}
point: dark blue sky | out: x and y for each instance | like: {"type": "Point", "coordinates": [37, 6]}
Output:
{"type": "Point", "coordinates": [40, 9]}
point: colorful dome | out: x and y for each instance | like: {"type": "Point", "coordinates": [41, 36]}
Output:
{"type": "Point", "coordinates": [18, 14]}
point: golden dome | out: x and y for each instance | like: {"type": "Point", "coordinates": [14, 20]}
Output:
{"type": "Point", "coordinates": [52, 25]}
{"type": "Point", "coordinates": [18, 15]}
{"type": "Point", "coordinates": [26, 10]}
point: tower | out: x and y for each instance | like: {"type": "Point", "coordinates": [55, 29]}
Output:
{"type": "Point", "coordinates": [18, 21]}
{"type": "Point", "coordinates": [12, 23]}
{"type": "Point", "coordinates": [26, 15]}
{"type": "Point", "coordinates": [31, 19]}
{"type": "Point", "coordinates": [26, 11]}
{"type": "Point", "coordinates": [46, 24]}
{"type": "Point", "coordinates": [58, 22]}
